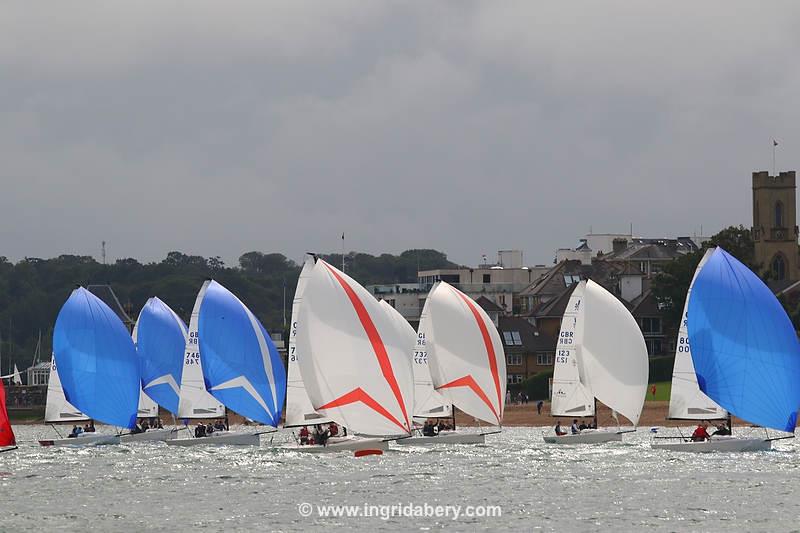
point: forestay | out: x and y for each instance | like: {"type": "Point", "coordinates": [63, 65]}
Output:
{"type": "Point", "coordinates": [744, 347]}
{"type": "Point", "coordinates": [613, 353]}
{"type": "Point", "coordinates": [354, 363]}
{"type": "Point", "coordinates": [299, 411]}
{"type": "Point", "coordinates": [97, 361]}
{"type": "Point", "coordinates": [160, 337]}
{"type": "Point", "coordinates": [465, 356]}
{"type": "Point", "coordinates": [195, 401]}
{"type": "Point", "coordinates": [428, 403]}
{"type": "Point", "coordinates": [57, 408]}
{"type": "Point", "coordinates": [686, 400]}
{"type": "Point", "coordinates": [241, 365]}
{"type": "Point", "coordinates": [571, 397]}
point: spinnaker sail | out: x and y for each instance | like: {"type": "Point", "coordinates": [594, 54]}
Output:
{"type": "Point", "coordinates": [744, 347]}
{"type": "Point", "coordinates": [160, 337]}
{"type": "Point", "coordinates": [241, 366]}
{"type": "Point", "coordinates": [97, 362]}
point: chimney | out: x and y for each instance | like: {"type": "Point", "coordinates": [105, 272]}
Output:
{"type": "Point", "coordinates": [619, 245]}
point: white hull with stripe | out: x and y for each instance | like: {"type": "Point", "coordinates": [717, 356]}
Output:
{"type": "Point", "coordinates": [585, 437]}
{"type": "Point", "coordinates": [447, 437]}
{"type": "Point", "coordinates": [152, 435]}
{"type": "Point", "coordinates": [716, 444]}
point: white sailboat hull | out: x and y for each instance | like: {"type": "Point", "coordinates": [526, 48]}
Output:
{"type": "Point", "coordinates": [152, 435]}
{"type": "Point", "coordinates": [342, 444]}
{"type": "Point", "coordinates": [716, 444]}
{"type": "Point", "coordinates": [585, 437]}
{"type": "Point", "coordinates": [85, 439]}
{"type": "Point", "coordinates": [222, 438]}
{"type": "Point", "coordinates": [448, 437]}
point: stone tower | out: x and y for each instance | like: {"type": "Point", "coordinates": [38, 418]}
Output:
{"type": "Point", "coordinates": [775, 225]}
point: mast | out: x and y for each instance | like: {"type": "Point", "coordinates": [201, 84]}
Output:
{"type": "Point", "coordinates": [595, 413]}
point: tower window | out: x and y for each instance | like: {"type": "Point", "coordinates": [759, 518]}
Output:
{"type": "Point", "coordinates": [778, 214]}
{"type": "Point", "coordinates": [779, 268]}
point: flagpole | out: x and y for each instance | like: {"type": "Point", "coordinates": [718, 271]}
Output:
{"type": "Point", "coordinates": [774, 167]}
{"type": "Point", "coordinates": [342, 252]}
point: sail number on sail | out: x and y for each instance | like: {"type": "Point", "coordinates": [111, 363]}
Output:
{"type": "Point", "coordinates": [420, 355]}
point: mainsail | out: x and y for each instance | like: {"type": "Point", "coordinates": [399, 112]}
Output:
{"type": "Point", "coordinates": [241, 365]}
{"type": "Point", "coordinates": [7, 437]}
{"type": "Point", "coordinates": [744, 347]}
{"type": "Point", "coordinates": [97, 361]}
{"type": "Point", "coordinates": [613, 353]}
{"type": "Point", "coordinates": [57, 408]}
{"type": "Point", "coordinates": [354, 363]}
{"type": "Point", "coordinates": [428, 403]}
{"type": "Point", "coordinates": [571, 396]}
{"type": "Point", "coordinates": [195, 401]}
{"type": "Point", "coordinates": [466, 356]}
{"type": "Point", "coordinates": [686, 400]}
{"type": "Point", "coordinates": [160, 337]}
{"type": "Point", "coordinates": [299, 411]}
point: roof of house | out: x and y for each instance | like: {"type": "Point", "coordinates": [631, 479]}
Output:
{"type": "Point", "coordinates": [532, 340]}
{"type": "Point", "coordinates": [488, 305]}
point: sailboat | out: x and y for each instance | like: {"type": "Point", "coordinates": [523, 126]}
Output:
{"type": "Point", "coordinates": [745, 353]}
{"type": "Point", "coordinates": [240, 364]}
{"type": "Point", "coordinates": [160, 337]}
{"type": "Point", "coordinates": [8, 441]}
{"type": "Point", "coordinates": [425, 397]}
{"type": "Point", "coordinates": [601, 355]}
{"type": "Point", "coordinates": [465, 354]}
{"type": "Point", "coordinates": [687, 401]}
{"type": "Point", "coordinates": [299, 411]}
{"type": "Point", "coordinates": [353, 360]}
{"type": "Point", "coordinates": [97, 366]}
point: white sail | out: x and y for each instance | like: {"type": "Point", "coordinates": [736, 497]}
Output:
{"type": "Point", "coordinates": [195, 400]}
{"type": "Point", "coordinates": [147, 407]}
{"type": "Point", "coordinates": [613, 353]}
{"type": "Point", "coordinates": [299, 411]}
{"type": "Point", "coordinates": [353, 361]}
{"type": "Point", "coordinates": [57, 408]}
{"type": "Point", "coordinates": [428, 403]}
{"type": "Point", "coordinates": [466, 357]}
{"type": "Point", "coordinates": [686, 400]}
{"type": "Point", "coordinates": [17, 379]}
{"type": "Point", "coordinates": [570, 396]}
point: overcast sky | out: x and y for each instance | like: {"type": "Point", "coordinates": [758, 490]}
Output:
{"type": "Point", "coordinates": [216, 128]}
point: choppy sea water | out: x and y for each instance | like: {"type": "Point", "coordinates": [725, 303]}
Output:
{"type": "Point", "coordinates": [620, 487]}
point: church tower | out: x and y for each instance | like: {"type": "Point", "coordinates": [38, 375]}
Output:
{"type": "Point", "coordinates": [775, 225]}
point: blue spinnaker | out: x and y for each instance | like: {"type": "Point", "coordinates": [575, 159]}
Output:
{"type": "Point", "coordinates": [241, 366]}
{"type": "Point", "coordinates": [160, 343]}
{"type": "Point", "coordinates": [744, 348]}
{"type": "Point", "coordinates": [97, 362]}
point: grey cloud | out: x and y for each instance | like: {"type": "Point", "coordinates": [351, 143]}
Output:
{"type": "Point", "coordinates": [465, 126]}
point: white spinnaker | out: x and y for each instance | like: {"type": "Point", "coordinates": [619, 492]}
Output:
{"type": "Point", "coordinates": [299, 411]}
{"type": "Point", "coordinates": [195, 401]}
{"type": "Point", "coordinates": [354, 363]}
{"type": "Point", "coordinates": [57, 408]}
{"type": "Point", "coordinates": [428, 403]}
{"type": "Point", "coordinates": [613, 353]}
{"type": "Point", "coordinates": [570, 396]}
{"type": "Point", "coordinates": [466, 358]}
{"type": "Point", "coordinates": [686, 400]}
{"type": "Point", "coordinates": [147, 407]}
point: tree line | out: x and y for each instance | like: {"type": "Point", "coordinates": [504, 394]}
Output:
{"type": "Point", "coordinates": [33, 290]}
